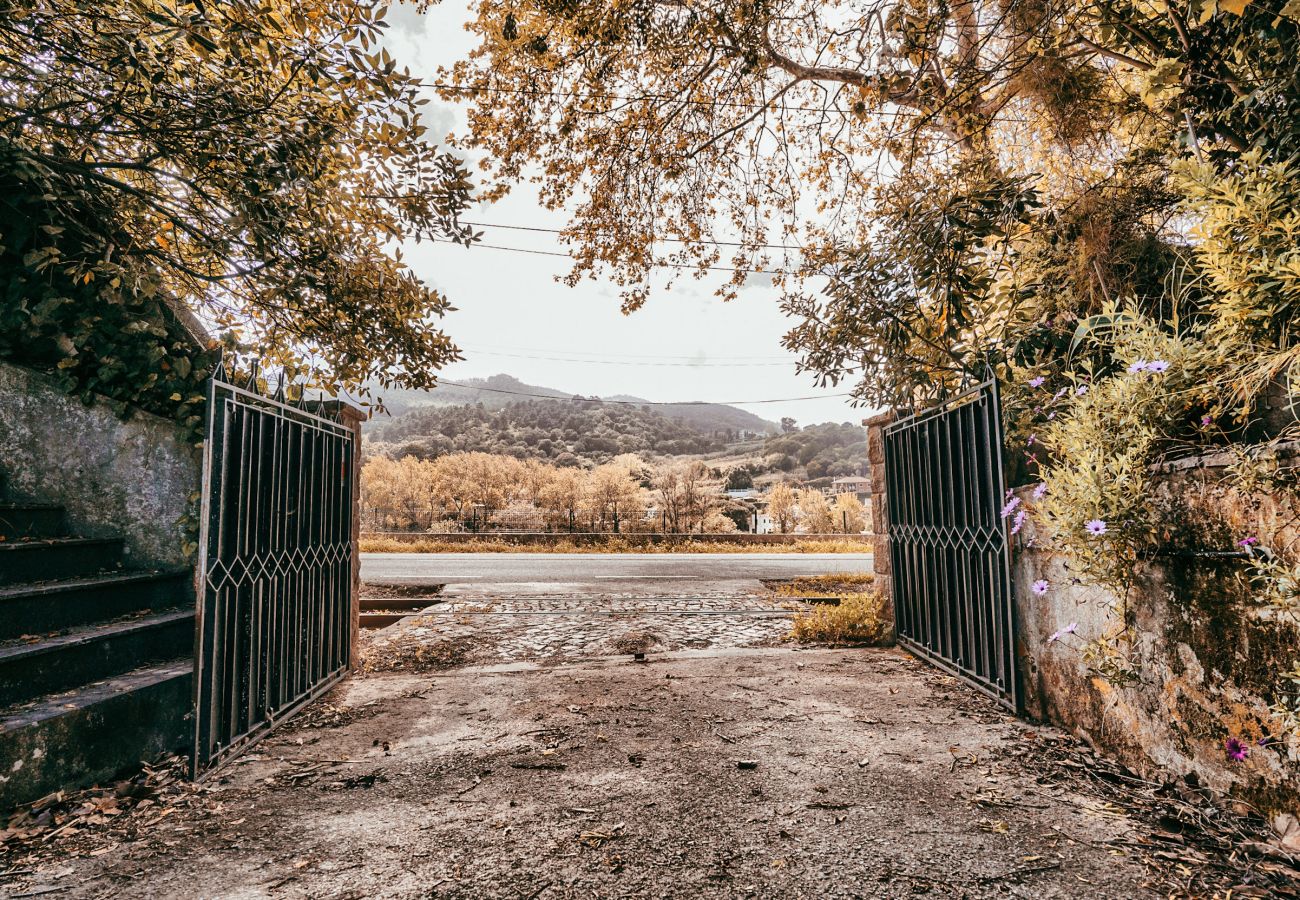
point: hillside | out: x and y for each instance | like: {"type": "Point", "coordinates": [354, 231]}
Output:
{"type": "Point", "coordinates": [499, 391]}
{"type": "Point", "coordinates": [561, 431]}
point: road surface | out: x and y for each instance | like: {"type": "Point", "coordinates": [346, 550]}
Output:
{"type": "Point", "coordinates": [602, 569]}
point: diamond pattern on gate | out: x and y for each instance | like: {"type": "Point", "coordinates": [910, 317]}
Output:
{"type": "Point", "coordinates": [277, 565]}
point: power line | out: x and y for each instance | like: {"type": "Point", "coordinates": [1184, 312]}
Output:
{"type": "Point", "coordinates": [658, 264]}
{"type": "Point", "coordinates": [473, 387]}
{"type": "Point", "coordinates": [632, 362]}
{"type": "Point", "coordinates": [635, 355]}
{"type": "Point", "coordinates": [658, 240]}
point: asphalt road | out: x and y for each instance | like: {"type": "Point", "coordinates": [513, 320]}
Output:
{"type": "Point", "coordinates": [602, 568]}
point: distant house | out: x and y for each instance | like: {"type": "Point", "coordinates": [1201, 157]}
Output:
{"type": "Point", "coordinates": [740, 493]}
{"type": "Point", "coordinates": [851, 485]}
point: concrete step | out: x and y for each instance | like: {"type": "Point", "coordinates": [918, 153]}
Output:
{"type": "Point", "coordinates": [93, 653]}
{"type": "Point", "coordinates": [56, 559]}
{"type": "Point", "coordinates": [371, 621]}
{"type": "Point", "coordinates": [95, 733]}
{"type": "Point", "coordinates": [28, 609]}
{"type": "Point", "coordinates": [30, 520]}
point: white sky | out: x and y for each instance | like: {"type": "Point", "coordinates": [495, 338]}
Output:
{"type": "Point", "coordinates": [510, 303]}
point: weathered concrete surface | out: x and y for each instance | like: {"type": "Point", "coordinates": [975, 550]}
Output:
{"type": "Point", "coordinates": [1209, 660]}
{"type": "Point", "coordinates": [866, 775]}
{"type": "Point", "coordinates": [132, 479]}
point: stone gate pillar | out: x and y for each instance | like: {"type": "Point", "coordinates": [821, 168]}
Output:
{"type": "Point", "coordinates": [879, 511]}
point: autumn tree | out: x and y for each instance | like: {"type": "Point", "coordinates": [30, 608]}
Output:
{"type": "Point", "coordinates": [254, 163]}
{"type": "Point", "coordinates": [399, 493]}
{"type": "Point", "coordinates": [782, 507]}
{"type": "Point", "coordinates": [562, 497]}
{"type": "Point", "coordinates": [614, 493]}
{"type": "Point", "coordinates": [815, 512]}
{"type": "Point", "coordinates": [968, 179]}
{"type": "Point", "coordinates": [849, 514]}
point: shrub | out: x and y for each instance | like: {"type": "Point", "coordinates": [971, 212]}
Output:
{"type": "Point", "coordinates": [861, 618]}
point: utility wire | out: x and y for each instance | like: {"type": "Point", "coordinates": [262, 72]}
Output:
{"type": "Point", "coordinates": [657, 240]}
{"type": "Point", "coordinates": [473, 387]}
{"type": "Point", "coordinates": [669, 265]}
{"type": "Point", "coordinates": [655, 356]}
{"type": "Point", "coordinates": [633, 362]}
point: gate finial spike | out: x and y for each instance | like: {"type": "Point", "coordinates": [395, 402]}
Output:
{"type": "Point", "coordinates": [278, 396]}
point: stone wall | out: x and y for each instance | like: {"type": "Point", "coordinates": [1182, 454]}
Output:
{"type": "Point", "coordinates": [1209, 657]}
{"type": "Point", "coordinates": [132, 479]}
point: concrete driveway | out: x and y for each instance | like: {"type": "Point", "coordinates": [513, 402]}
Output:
{"type": "Point", "coordinates": [760, 773]}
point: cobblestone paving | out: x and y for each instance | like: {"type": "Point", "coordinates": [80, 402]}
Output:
{"type": "Point", "coordinates": [559, 627]}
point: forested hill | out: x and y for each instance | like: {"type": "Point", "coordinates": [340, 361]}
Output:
{"type": "Point", "coordinates": [562, 431]}
{"type": "Point", "coordinates": [500, 391]}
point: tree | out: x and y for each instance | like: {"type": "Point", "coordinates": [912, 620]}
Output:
{"type": "Point", "coordinates": [740, 479]}
{"type": "Point", "coordinates": [563, 496]}
{"type": "Point", "coordinates": [972, 177]}
{"type": "Point", "coordinates": [255, 163]}
{"type": "Point", "coordinates": [782, 507]}
{"type": "Point", "coordinates": [850, 516]}
{"type": "Point", "coordinates": [615, 494]}
{"type": "Point", "coordinates": [788, 425]}
{"type": "Point", "coordinates": [816, 512]}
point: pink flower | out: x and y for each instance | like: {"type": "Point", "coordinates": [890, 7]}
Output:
{"type": "Point", "coordinates": [1040, 491]}
{"type": "Point", "coordinates": [1248, 542]}
{"type": "Point", "coordinates": [1207, 421]}
{"type": "Point", "coordinates": [1081, 390]}
{"type": "Point", "coordinates": [1237, 750]}
{"type": "Point", "coordinates": [1138, 365]}
{"type": "Point", "coordinates": [1157, 365]}
{"type": "Point", "coordinates": [1040, 587]}
{"type": "Point", "coordinates": [1010, 507]}
{"type": "Point", "coordinates": [1037, 381]}
{"type": "Point", "coordinates": [1019, 522]}
{"type": "Point", "coordinates": [1068, 629]}
{"type": "Point", "coordinates": [1096, 527]}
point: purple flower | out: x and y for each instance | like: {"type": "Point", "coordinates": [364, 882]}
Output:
{"type": "Point", "coordinates": [1157, 365]}
{"type": "Point", "coordinates": [1010, 507]}
{"type": "Point", "coordinates": [1040, 490]}
{"type": "Point", "coordinates": [1031, 439]}
{"type": "Point", "coordinates": [1138, 365]}
{"type": "Point", "coordinates": [1040, 587]}
{"type": "Point", "coordinates": [1051, 415]}
{"type": "Point", "coordinates": [1068, 629]}
{"type": "Point", "coordinates": [1081, 390]}
{"type": "Point", "coordinates": [1037, 381]}
{"type": "Point", "coordinates": [1248, 542]}
{"type": "Point", "coordinates": [1059, 394]}
{"type": "Point", "coordinates": [1019, 522]}
{"type": "Point", "coordinates": [1237, 751]}
{"type": "Point", "coordinates": [1095, 527]}
{"type": "Point", "coordinates": [1207, 421]}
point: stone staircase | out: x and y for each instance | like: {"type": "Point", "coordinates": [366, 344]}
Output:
{"type": "Point", "coordinates": [96, 660]}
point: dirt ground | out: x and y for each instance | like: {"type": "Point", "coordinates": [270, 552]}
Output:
{"type": "Point", "coordinates": [715, 773]}
{"type": "Point", "coordinates": [503, 743]}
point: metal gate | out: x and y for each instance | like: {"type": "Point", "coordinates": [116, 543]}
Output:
{"type": "Point", "coordinates": [275, 564]}
{"type": "Point", "coordinates": [948, 541]}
